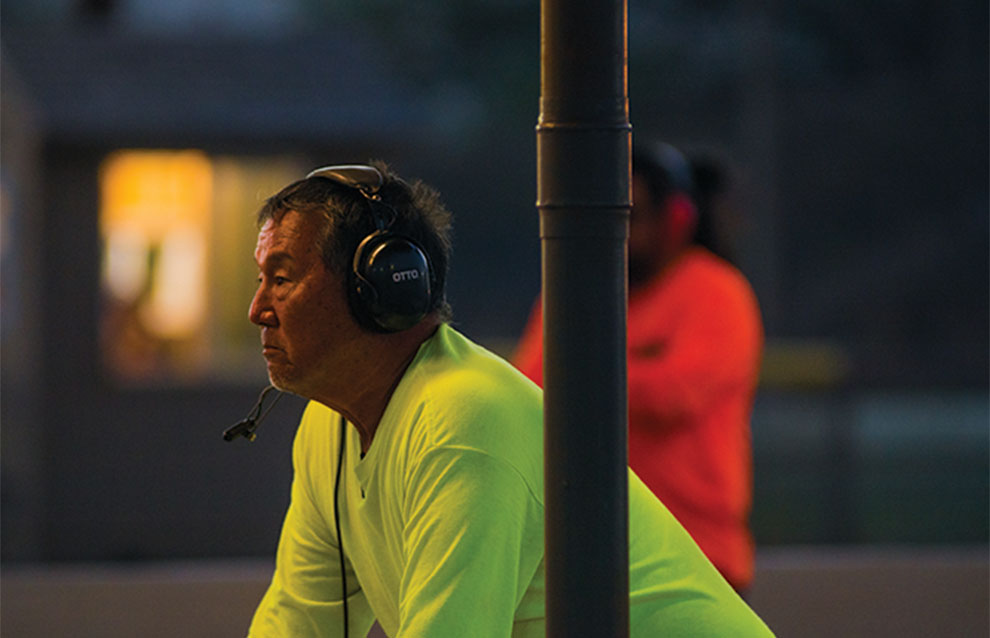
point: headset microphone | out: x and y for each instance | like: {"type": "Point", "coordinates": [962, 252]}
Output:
{"type": "Point", "coordinates": [247, 426]}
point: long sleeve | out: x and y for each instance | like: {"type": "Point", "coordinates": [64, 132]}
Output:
{"type": "Point", "coordinates": [304, 598]}
{"type": "Point", "coordinates": [473, 543]}
{"type": "Point", "coordinates": [694, 343]}
{"type": "Point", "coordinates": [695, 339]}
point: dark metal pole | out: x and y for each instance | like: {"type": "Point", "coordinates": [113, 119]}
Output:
{"type": "Point", "coordinates": [583, 195]}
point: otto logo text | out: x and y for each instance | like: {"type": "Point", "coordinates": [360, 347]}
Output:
{"type": "Point", "coordinates": [405, 275]}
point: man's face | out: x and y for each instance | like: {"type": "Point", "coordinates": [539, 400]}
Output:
{"type": "Point", "coordinates": [301, 307]}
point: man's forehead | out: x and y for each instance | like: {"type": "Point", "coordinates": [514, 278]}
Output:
{"type": "Point", "coordinates": [273, 257]}
{"type": "Point", "coordinates": [287, 237]}
{"type": "Point", "coordinates": [290, 225]}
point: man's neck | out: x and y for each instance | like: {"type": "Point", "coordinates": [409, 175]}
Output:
{"type": "Point", "coordinates": [386, 360]}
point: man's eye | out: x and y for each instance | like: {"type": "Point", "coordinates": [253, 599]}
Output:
{"type": "Point", "coordinates": [280, 280]}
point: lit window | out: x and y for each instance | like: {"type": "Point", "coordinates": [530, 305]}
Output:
{"type": "Point", "coordinates": [177, 271]}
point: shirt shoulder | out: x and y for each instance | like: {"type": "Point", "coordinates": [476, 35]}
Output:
{"type": "Point", "coordinates": [457, 394]}
{"type": "Point", "coordinates": [702, 266]}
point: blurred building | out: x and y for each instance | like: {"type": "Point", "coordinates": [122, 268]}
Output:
{"type": "Point", "coordinates": [138, 139]}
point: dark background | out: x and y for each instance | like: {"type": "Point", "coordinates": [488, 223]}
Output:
{"type": "Point", "coordinates": [860, 136]}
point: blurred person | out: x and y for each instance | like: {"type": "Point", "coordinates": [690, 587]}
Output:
{"type": "Point", "coordinates": [695, 339]}
{"type": "Point", "coordinates": [418, 485]}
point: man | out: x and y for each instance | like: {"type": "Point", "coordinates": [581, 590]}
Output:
{"type": "Point", "coordinates": [694, 345]}
{"type": "Point", "coordinates": [418, 462]}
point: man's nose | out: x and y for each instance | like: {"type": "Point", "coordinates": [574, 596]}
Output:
{"type": "Point", "coordinates": [260, 312]}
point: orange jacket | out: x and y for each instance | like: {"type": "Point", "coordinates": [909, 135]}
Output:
{"type": "Point", "coordinates": [695, 339]}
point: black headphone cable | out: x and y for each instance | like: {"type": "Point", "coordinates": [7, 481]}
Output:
{"type": "Point", "coordinates": [336, 519]}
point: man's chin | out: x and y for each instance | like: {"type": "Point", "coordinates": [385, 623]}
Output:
{"type": "Point", "coordinates": [284, 383]}
{"type": "Point", "coordinates": [281, 383]}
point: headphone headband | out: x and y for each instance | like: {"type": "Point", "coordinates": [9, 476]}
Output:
{"type": "Point", "coordinates": [367, 180]}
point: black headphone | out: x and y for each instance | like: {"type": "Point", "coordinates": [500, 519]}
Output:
{"type": "Point", "coordinates": [390, 281]}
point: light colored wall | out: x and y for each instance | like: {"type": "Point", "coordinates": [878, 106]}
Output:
{"type": "Point", "coordinates": [873, 592]}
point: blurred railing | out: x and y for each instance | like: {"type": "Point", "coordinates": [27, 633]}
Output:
{"type": "Point", "coordinates": [838, 461]}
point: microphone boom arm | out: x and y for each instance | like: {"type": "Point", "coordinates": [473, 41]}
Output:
{"type": "Point", "coordinates": [249, 424]}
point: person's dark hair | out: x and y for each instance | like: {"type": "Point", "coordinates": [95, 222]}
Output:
{"type": "Point", "coordinates": [664, 168]}
{"type": "Point", "coordinates": [703, 178]}
{"type": "Point", "coordinates": [415, 209]}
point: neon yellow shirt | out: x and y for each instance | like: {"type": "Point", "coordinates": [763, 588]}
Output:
{"type": "Point", "coordinates": [442, 520]}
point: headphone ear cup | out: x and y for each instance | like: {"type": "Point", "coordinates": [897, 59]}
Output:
{"type": "Point", "coordinates": [391, 286]}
